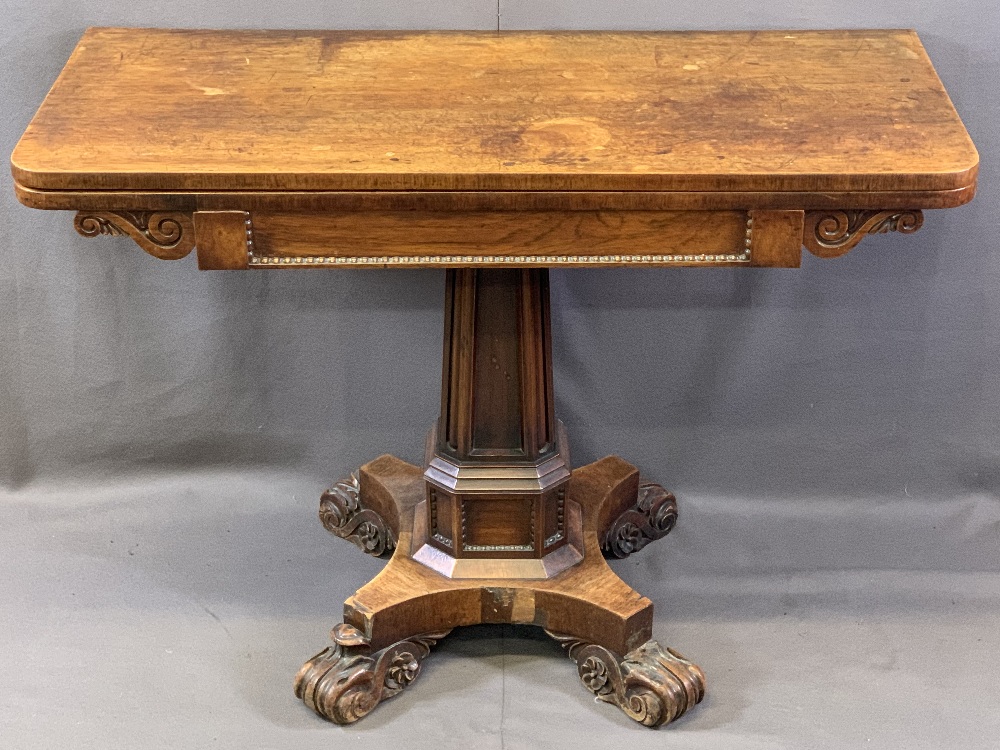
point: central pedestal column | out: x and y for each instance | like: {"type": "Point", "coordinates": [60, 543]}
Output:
{"type": "Point", "coordinates": [497, 460]}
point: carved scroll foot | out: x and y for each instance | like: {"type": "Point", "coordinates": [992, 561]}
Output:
{"type": "Point", "coordinates": [651, 518]}
{"type": "Point", "coordinates": [342, 512]}
{"type": "Point", "coordinates": [346, 681]}
{"type": "Point", "coordinates": [652, 685]}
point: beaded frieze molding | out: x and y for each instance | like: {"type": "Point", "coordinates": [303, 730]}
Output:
{"type": "Point", "coordinates": [256, 260]}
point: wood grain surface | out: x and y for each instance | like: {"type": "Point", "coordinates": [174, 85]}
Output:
{"type": "Point", "coordinates": [813, 111]}
{"type": "Point", "coordinates": [522, 233]}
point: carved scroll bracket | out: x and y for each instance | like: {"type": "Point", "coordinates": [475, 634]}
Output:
{"type": "Point", "coordinates": [342, 513]}
{"type": "Point", "coordinates": [652, 517]}
{"type": "Point", "coordinates": [345, 682]}
{"type": "Point", "coordinates": [829, 234]}
{"type": "Point", "coordinates": [652, 685]}
{"type": "Point", "coordinates": [167, 235]}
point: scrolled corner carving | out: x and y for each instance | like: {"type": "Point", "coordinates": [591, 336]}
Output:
{"type": "Point", "coordinates": [167, 235]}
{"type": "Point", "coordinates": [652, 517]}
{"type": "Point", "coordinates": [344, 682]}
{"type": "Point", "coordinates": [342, 513]}
{"type": "Point", "coordinates": [830, 234]}
{"type": "Point", "coordinates": [652, 685]}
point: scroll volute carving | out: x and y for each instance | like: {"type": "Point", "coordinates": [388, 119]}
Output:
{"type": "Point", "coordinates": [167, 235]}
{"type": "Point", "coordinates": [830, 234]}
{"type": "Point", "coordinates": [651, 684]}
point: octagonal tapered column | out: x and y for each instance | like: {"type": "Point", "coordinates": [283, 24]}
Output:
{"type": "Point", "coordinates": [497, 463]}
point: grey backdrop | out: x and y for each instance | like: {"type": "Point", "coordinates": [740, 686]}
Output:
{"type": "Point", "coordinates": [832, 434]}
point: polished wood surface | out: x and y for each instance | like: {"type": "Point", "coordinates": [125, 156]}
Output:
{"type": "Point", "coordinates": [178, 110]}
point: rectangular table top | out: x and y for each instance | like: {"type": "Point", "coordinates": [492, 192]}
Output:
{"type": "Point", "coordinates": [853, 112]}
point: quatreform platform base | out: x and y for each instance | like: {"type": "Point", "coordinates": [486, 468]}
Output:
{"type": "Point", "coordinates": [605, 626]}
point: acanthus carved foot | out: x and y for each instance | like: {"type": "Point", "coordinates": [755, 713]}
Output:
{"type": "Point", "coordinates": [341, 512]}
{"type": "Point", "coordinates": [652, 685]}
{"type": "Point", "coordinates": [651, 518]}
{"type": "Point", "coordinates": [346, 681]}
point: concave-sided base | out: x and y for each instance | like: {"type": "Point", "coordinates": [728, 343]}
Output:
{"type": "Point", "coordinates": [390, 623]}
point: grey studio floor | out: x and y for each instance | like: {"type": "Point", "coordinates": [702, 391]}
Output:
{"type": "Point", "coordinates": [173, 613]}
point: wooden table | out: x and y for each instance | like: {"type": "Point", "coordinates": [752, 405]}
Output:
{"type": "Point", "coordinates": [496, 157]}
